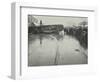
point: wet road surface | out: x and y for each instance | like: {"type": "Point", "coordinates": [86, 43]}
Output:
{"type": "Point", "coordinates": [49, 49]}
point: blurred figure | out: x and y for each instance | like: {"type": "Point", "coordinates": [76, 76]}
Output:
{"type": "Point", "coordinates": [61, 33]}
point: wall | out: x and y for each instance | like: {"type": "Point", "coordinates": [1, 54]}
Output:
{"type": "Point", "coordinates": [5, 34]}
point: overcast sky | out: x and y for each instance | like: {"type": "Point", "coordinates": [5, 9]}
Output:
{"type": "Point", "coordinates": [66, 21]}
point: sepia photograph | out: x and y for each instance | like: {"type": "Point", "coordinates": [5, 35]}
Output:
{"type": "Point", "coordinates": [57, 40]}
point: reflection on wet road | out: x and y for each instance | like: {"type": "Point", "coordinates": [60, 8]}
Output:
{"type": "Point", "coordinates": [49, 49]}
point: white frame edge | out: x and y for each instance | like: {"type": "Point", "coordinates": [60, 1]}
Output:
{"type": "Point", "coordinates": [15, 41]}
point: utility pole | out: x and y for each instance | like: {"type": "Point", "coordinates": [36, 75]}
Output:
{"type": "Point", "coordinates": [40, 32]}
{"type": "Point", "coordinates": [40, 22]}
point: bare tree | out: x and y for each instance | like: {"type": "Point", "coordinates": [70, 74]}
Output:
{"type": "Point", "coordinates": [32, 20]}
{"type": "Point", "coordinates": [83, 24]}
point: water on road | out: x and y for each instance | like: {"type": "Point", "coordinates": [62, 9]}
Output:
{"type": "Point", "coordinates": [49, 49]}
